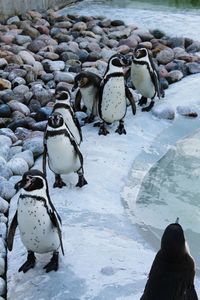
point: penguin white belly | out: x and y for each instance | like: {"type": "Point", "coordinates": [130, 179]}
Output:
{"type": "Point", "coordinates": [36, 229]}
{"type": "Point", "coordinates": [70, 123]}
{"type": "Point", "coordinates": [113, 105]}
{"type": "Point", "coordinates": [89, 97]}
{"type": "Point", "coordinates": [62, 157]}
{"type": "Point", "coordinates": [142, 80]}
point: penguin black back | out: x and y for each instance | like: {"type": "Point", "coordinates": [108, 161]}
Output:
{"type": "Point", "coordinates": [172, 273]}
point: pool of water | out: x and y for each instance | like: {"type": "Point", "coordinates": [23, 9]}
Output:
{"type": "Point", "coordinates": [175, 21]}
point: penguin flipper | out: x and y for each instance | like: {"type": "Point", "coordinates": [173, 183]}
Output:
{"type": "Point", "coordinates": [77, 103]}
{"type": "Point", "coordinates": [78, 152]}
{"type": "Point", "coordinates": [11, 232]}
{"type": "Point", "coordinates": [55, 222]}
{"type": "Point", "coordinates": [131, 99]}
{"type": "Point", "coordinates": [44, 160]}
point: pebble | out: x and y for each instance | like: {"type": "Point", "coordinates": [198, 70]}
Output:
{"type": "Point", "coordinates": [4, 205]}
{"type": "Point", "coordinates": [27, 57]}
{"type": "Point", "coordinates": [4, 150]}
{"type": "Point", "coordinates": [5, 141]}
{"type": "Point", "coordinates": [3, 62]}
{"type": "Point", "coordinates": [3, 230]}
{"type": "Point", "coordinates": [7, 190]}
{"type": "Point", "coordinates": [51, 66]}
{"type": "Point", "coordinates": [27, 156]}
{"type": "Point", "coordinates": [174, 76]}
{"type": "Point", "coordinates": [5, 111]}
{"type": "Point", "coordinates": [4, 84]}
{"type": "Point", "coordinates": [35, 145]}
{"type": "Point", "coordinates": [18, 165]}
{"type": "Point", "coordinates": [63, 76]}
{"type": "Point", "coordinates": [165, 56]}
{"type": "Point", "coordinates": [18, 106]}
{"type": "Point", "coordinates": [193, 67]}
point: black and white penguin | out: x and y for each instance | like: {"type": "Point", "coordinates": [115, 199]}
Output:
{"type": "Point", "coordinates": [145, 77]}
{"type": "Point", "coordinates": [62, 150]}
{"type": "Point", "coordinates": [172, 273]}
{"type": "Point", "coordinates": [62, 105]}
{"type": "Point", "coordinates": [88, 85]}
{"type": "Point", "coordinates": [113, 93]}
{"type": "Point", "coordinates": [38, 221]}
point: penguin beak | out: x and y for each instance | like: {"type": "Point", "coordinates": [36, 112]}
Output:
{"type": "Point", "coordinates": [177, 220]}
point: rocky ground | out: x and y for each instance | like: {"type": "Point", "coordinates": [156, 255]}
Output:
{"type": "Point", "coordinates": [38, 52]}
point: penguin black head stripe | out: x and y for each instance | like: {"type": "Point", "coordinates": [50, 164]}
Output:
{"type": "Point", "coordinates": [55, 120]}
{"type": "Point", "coordinates": [118, 60]}
{"type": "Point", "coordinates": [31, 180]}
{"type": "Point", "coordinates": [173, 242]}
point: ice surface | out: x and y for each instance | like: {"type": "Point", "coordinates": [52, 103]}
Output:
{"type": "Point", "coordinates": [108, 250]}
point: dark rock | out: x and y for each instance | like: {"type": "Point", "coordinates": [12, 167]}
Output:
{"type": "Point", "coordinates": [194, 47]}
{"type": "Point", "coordinates": [41, 126]}
{"type": "Point", "coordinates": [193, 67]}
{"type": "Point", "coordinates": [93, 56]}
{"type": "Point", "coordinates": [164, 83]}
{"type": "Point", "coordinates": [177, 65]}
{"type": "Point", "coordinates": [42, 114]}
{"type": "Point", "coordinates": [68, 55]}
{"type": "Point", "coordinates": [34, 105]}
{"type": "Point", "coordinates": [19, 123]}
{"type": "Point", "coordinates": [117, 23]}
{"type": "Point", "coordinates": [83, 55]}
{"type": "Point", "coordinates": [176, 42]}
{"type": "Point", "coordinates": [5, 111]}
{"type": "Point", "coordinates": [51, 84]}
{"type": "Point", "coordinates": [157, 33]}
{"type": "Point", "coordinates": [36, 45]}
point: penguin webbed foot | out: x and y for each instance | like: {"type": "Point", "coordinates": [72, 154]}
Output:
{"type": "Point", "coordinates": [103, 130]}
{"type": "Point", "coordinates": [53, 264]}
{"type": "Point", "coordinates": [58, 182]}
{"type": "Point", "coordinates": [120, 129]}
{"type": "Point", "coordinates": [81, 181]}
{"type": "Point", "coordinates": [97, 124]}
{"type": "Point", "coordinates": [148, 108]}
{"type": "Point", "coordinates": [29, 264]}
{"type": "Point", "coordinates": [88, 119]}
{"type": "Point", "coordinates": [142, 101]}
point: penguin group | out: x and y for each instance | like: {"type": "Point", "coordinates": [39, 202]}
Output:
{"type": "Point", "coordinates": [172, 274]}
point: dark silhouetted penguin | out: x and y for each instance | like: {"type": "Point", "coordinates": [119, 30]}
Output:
{"type": "Point", "coordinates": [145, 77]}
{"type": "Point", "coordinates": [39, 223]}
{"type": "Point", "coordinates": [88, 85]}
{"type": "Point", "coordinates": [62, 151]}
{"type": "Point", "coordinates": [113, 93]}
{"type": "Point", "coordinates": [63, 106]}
{"type": "Point", "coordinates": [172, 273]}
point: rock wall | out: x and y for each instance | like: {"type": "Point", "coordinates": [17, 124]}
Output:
{"type": "Point", "coordinates": [10, 7]}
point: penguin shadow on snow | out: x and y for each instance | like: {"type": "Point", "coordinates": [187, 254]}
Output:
{"type": "Point", "coordinates": [173, 270]}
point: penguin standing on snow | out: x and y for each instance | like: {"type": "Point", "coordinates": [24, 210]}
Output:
{"type": "Point", "coordinates": [62, 151]}
{"type": "Point", "coordinates": [145, 78]}
{"type": "Point", "coordinates": [113, 92]}
{"type": "Point", "coordinates": [39, 223]}
{"type": "Point", "coordinates": [172, 274]}
{"type": "Point", "coordinates": [88, 85]}
{"type": "Point", "coordinates": [63, 106]}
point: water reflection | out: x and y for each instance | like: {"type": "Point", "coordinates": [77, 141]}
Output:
{"type": "Point", "coordinates": [171, 189]}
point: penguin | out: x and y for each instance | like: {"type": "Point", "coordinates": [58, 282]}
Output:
{"type": "Point", "coordinates": [172, 273]}
{"type": "Point", "coordinates": [112, 97]}
{"type": "Point", "coordinates": [38, 221]}
{"type": "Point", "coordinates": [62, 105]}
{"type": "Point", "coordinates": [88, 85]}
{"type": "Point", "coordinates": [145, 77]}
{"type": "Point", "coordinates": [62, 150]}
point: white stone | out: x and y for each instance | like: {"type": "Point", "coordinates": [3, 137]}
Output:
{"type": "Point", "coordinates": [2, 162]}
{"type": "Point", "coordinates": [27, 155]}
{"type": "Point", "coordinates": [4, 205]}
{"type": "Point", "coordinates": [18, 165]}
{"type": "Point", "coordinates": [5, 141]}
{"type": "Point", "coordinates": [4, 150]}
{"type": "Point", "coordinates": [27, 57]}
{"type": "Point", "coordinates": [7, 190]}
{"type": "Point", "coordinates": [9, 133]}
{"type": "Point", "coordinates": [63, 76]}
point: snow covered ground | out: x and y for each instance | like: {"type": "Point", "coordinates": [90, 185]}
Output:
{"type": "Point", "coordinates": [108, 247]}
